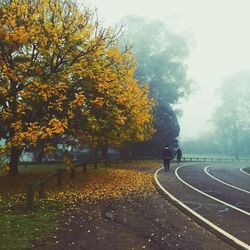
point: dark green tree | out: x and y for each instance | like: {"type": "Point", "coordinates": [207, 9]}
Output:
{"type": "Point", "coordinates": [160, 56]}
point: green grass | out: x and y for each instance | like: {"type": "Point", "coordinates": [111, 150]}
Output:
{"type": "Point", "coordinates": [36, 168]}
{"type": "Point", "coordinates": [20, 227]}
{"type": "Point", "coordinates": [18, 230]}
{"type": "Point", "coordinates": [247, 170]}
{"type": "Point", "coordinates": [39, 168]}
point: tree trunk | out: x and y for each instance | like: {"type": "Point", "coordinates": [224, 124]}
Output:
{"type": "Point", "coordinates": [104, 151]}
{"type": "Point", "coordinates": [14, 159]}
{"type": "Point", "coordinates": [39, 155]}
{"type": "Point", "coordinates": [39, 151]}
{"type": "Point", "coordinates": [126, 153]}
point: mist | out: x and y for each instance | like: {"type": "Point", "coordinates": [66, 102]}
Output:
{"type": "Point", "coordinates": [220, 49]}
{"type": "Point", "coordinates": [220, 30]}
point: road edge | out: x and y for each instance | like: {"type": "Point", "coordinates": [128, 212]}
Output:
{"type": "Point", "coordinates": [243, 171]}
{"type": "Point", "coordinates": [220, 233]}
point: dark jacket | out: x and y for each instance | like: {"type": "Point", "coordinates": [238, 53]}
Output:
{"type": "Point", "coordinates": [178, 153]}
{"type": "Point", "coordinates": [167, 154]}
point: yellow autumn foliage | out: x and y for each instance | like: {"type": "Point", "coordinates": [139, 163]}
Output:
{"type": "Point", "coordinates": [62, 74]}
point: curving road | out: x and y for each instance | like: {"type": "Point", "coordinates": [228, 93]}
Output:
{"type": "Point", "coordinates": [219, 192]}
{"type": "Point", "coordinates": [227, 173]}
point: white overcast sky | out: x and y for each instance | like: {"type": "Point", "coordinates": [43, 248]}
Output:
{"type": "Point", "coordinates": [221, 29]}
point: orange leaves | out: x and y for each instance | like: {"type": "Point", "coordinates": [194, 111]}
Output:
{"type": "Point", "coordinates": [67, 77]}
{"type": "Point", "coordinates": [99, 101]}
{"type": "Point", "coordinates": [17, 125]}
{"type": "Point", "coordinates": [120, 120]}
{"type": "Point", "coordinates": [30, 133]}
{"type": "Point", "coordinates": [67, 162]}
{"type": "Point", "coordinates": [107, 184]}
{"type": "Point", "coordinates": [57, 126]}
{"type": "Point", "coordinates": [12, 32]}
{"type": "Point", "coordinates": [19, 35]}
{"type": "Point", "coordinates": [127, 106]}
{"type": "Point", "coordinates": [78, 101]}
{"type": "Point", "coordinates": [45, 91]}
{"type": "Point", "coordinates": [33, 133]}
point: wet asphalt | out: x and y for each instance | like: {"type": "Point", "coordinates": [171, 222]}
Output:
{"type": "Point", "coordinates": [235, 222]}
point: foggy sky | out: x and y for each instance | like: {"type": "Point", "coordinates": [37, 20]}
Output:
{"type": "Point", "coordinates": [221, 31]}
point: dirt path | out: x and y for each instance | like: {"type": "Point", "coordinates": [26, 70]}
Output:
{"type": "Point", "coordinates": [147, 222]}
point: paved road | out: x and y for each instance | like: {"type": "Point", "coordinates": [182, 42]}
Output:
{"type": "Point", "coordinates": [228, 173]}
{"type": "Point", "coordinates": [220, 192]}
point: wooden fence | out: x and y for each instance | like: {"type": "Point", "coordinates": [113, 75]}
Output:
{"type": "Point", "coordinates": [39, 187]}
{"type": "Point", "coordinates": [212, 159]}
{"type": "Point", "coordinates": [201, 159]}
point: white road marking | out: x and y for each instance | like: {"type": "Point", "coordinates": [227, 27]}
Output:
{"type": "Point", "coordinates": [211, 197]}
{"type": "Point", "coordinates": [243, 171]}
{"type": "Point", "coordinates": [223, 182]}
{"type": "Point", "coordinates": [196, 208]}
{"type": "Point", "coordinates": [224, 210]}
{"type": "Point", "coordinates": [209, 223]}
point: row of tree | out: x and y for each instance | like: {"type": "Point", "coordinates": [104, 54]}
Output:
{"type": "Point", "coordinates": [63, 76]}
{"type": "Point", "coordinates": [160, 56]}
{"type": "Point", "coordinates": [65, 79]}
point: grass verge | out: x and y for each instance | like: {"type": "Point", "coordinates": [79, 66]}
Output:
{"type": "Point", "coordinates": [20, 228]}
{"type": "Point", "coordinates": [247, 170]}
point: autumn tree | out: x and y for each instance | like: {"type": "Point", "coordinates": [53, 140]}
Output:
{"type": "Point", "coordinates": [62, 75]}
{"type": "Point", "coordinates": [119, 111]}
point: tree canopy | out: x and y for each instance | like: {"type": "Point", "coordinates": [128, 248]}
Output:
{"type": "Point", "coordinates": [160, 56]}
{"type": "Point", "coordinates": [63, 75]}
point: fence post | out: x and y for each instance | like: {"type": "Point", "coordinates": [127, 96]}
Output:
{"type": "Point", "coordinates": [30, 196]}
{"type": "Point", "coordinates": [84, 169]}
{"type": "Point", "coordinates": [41, 194]}
{"type": "Point", "coordinates": [72, 173]}
{"type": "Point", "coordinates": [59, 177]}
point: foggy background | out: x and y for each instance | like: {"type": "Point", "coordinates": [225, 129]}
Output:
{"type": "Point", "coordinates": [220, 30]}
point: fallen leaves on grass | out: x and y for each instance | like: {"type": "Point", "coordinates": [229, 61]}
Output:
{"type": "Point", "coordinates": [114, 183]}
{"type": "Point", "coordinates": [101, 184]}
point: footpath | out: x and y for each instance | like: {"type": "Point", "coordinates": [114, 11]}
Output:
{"type": "Point", "coordinates": [147, 222]}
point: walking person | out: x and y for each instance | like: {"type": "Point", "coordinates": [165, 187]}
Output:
{"type": "Point", "coordinates": [178, 155]}
{"type": "Point", "coordinates": [166, 156]}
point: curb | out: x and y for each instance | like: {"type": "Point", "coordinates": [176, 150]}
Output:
{"type": "Point", "coordinates": [192, 214]}
{"type": "Point", "coordinates": [243, 171]}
